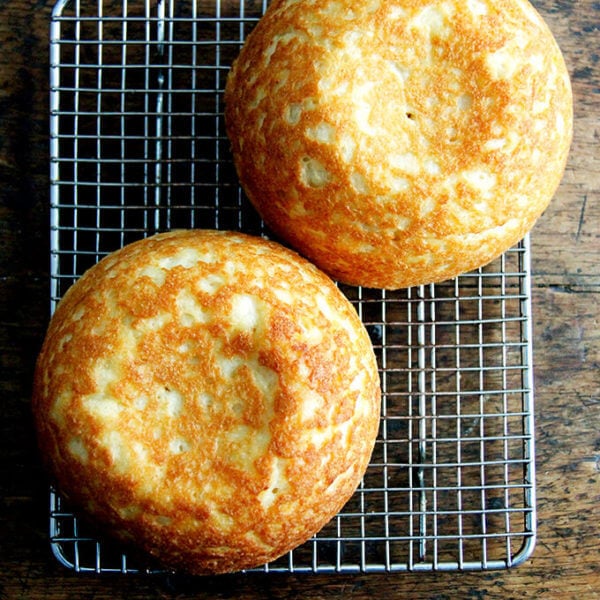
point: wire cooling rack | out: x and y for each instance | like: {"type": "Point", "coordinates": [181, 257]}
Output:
{"type": "Point", "coordinates": [138, 146]}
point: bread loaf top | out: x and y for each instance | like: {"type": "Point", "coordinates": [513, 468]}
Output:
{"type": "Point", "coordinates": [397, 143]}
{"type": "Point", "coordinates": [211, 398]}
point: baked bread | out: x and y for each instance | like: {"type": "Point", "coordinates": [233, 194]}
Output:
{"type": "Point", "coordinates": [210, 397]}
{"type": "Point", "coordinates": [397, 143]}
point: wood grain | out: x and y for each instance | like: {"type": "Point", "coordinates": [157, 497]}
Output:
{"type": "Point", "coordinates": [566, 295]}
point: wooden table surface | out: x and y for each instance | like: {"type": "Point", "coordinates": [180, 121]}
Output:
{"type": "Point", "coordinates": [566, 296]}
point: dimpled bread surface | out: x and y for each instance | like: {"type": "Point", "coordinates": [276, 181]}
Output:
{"type": "Point", "coordinates": [210, 397]}
{"type": "Point", "coordinates": [400, 142]}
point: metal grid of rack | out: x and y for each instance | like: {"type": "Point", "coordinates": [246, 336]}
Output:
{"type": "Point", "coordinates": [138, 146]}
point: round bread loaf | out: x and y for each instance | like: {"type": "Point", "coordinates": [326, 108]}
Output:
{"type": "Point", "coordinates": [397, 143]}
{"type": "Point", "coordinates": [210, 397]}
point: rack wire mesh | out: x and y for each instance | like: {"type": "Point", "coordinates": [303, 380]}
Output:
{"type": "Point", "coordinates": [138, 146]}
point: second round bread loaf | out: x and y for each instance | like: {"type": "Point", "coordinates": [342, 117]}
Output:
{"type": "Point", "coordinates": [210, 398]}
{"type": "Point", "coordinates": [397, 143]}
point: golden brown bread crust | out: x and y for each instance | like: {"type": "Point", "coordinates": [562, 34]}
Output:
{"type": "Point", "coordinates": [395, 142]}
{"type": "Point", "coordinates": [211, 397]}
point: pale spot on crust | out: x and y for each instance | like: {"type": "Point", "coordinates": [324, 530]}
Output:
{"type": "Point", "coordinates": [347, 147]}
{"type": "Point", "coordinates": [186, 258]}
{"type": "Point", "coordinates": [432, 167]}
{"type": "Point", "coordinates": [427, 207]}
{"type": "Point", "coordinates": [314, 174]}
{"type": "Point", "coordinates": [247, 312]}
{"type": "Point", "coordinates": [283, 295]}
{"type": "Point", "coordinates": [106, 371]}
{"type": "Point", "coordinates": [179, 445]}
{"type": "Point", "coordinates": [190, 310]}
{"type": "Point", "coordinates": [102, 407]}
{"type": "Point", "coordinates": [311, 402]}
{"type": "Point", "coordinates": [205, 400]}
{"type": "Point", "coordinates": [141, 402]}
{"type": "Point", "coordinates": [323, 133]}
{"type": "Point", "coordinates": [433, 19]}
{"type": "Point", "coordinates": [244, 445]}
{"type": "Point", "coordinates": [478, 8]}
{"type": "Point", "coordinates": [171, 401]}
{"type": "Point", "coordinates": [163, 521]}
{"type": "Point", "coordinates": [293, 113]}
{"type": "Point", "coordinates": [155, 323]}
{"type": "Point", "coordinates": [402, 223]}
{"type": "Point", "coordinates": [129, 512]}
{"type": "Point", "coordinates": [120, 455]}
{"type": "Point", "coordinates": [228, 365]}
{"type": "Point", "coordinates": [495, 144]}
{"type": "Point", "coordinates": [399, 184]}
{"type": "Point", "coordinates": [58, 407]}
{"type": "Point", "coordinates": [406, 162]}
{"type": "Point", "coordinates": [156, 274]}
{"type": "Point", "coordinates": [78, 448]}
{"type": "Point", "coordinates": [211, 283]}
{"type": "Point", "coordinates": [464, 102]}
{"type": "Point", "coordinates": [278, 483]}
{"type": "Point", "coordinates": [401, 71]}
{"type": "Point", "coordinates": [363, 106]}
{"type": "Point", "coordinates": [360, 183]}
{"type": "Point", "coordinates": [480, 179]}
{"type": "Point", "coordinates": [502, 63]}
